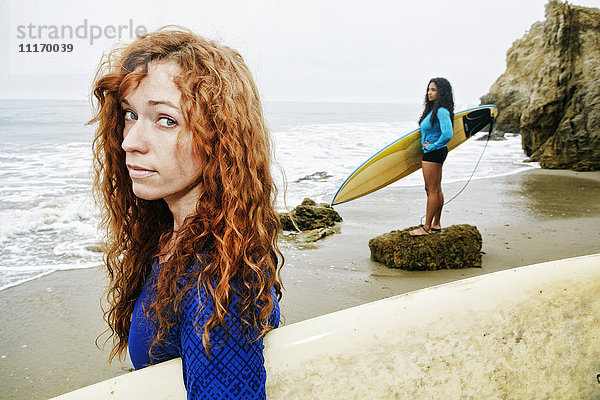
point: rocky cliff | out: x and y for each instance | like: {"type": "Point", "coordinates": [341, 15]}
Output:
{"type": "Point", "coordinates": [550, 92]}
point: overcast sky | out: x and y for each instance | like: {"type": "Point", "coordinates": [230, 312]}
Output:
{"type": "Point", "coordinates": [302, 50]}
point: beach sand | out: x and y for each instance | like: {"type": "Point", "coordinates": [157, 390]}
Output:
{"type": "Point", "coordinates": [48, 326]}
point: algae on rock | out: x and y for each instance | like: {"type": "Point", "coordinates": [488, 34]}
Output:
{"type": "Point", "coordinates": [309, 216]}
{"type": "Point", "coordinates": [457, 246]}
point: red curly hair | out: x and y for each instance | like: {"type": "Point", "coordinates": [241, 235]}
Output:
{"type": "Point", "coordinates": [233, 234]}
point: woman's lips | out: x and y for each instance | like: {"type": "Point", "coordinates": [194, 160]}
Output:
{"type": "Point", "coordinates": [136, 172]}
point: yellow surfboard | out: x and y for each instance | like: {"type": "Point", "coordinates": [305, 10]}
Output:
{"type": "Point", "coordinates": [404, 156]}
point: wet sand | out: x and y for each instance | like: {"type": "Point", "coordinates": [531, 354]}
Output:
{"type": "Point", "coordinates": [48, 326]}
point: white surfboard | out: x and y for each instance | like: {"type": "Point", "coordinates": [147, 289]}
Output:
{"type": "Point", "coordinates": [527, 333]}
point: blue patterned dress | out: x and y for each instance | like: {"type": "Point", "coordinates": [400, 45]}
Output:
{"type": "Point", "coordinates": [235, 368]}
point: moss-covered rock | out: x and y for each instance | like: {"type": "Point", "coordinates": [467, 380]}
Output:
{"type": "Point", "coordinates": [457, 246]}
{"type": "Point", "coordinates": [317, 234]}
{"type": "Point", "coordinates": [309, 216]}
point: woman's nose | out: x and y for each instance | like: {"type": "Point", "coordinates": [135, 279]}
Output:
{"type": "Point", "coordinates": [135, 137]}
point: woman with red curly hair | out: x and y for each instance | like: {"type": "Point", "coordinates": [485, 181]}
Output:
{"type": "Point", "coordinates": [182, 172]}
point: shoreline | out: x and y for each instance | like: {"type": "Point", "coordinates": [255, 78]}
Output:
{"type": "Point", "coordinates": [521, 217]}
{"type": "Point", "coordinates": [49, 325]}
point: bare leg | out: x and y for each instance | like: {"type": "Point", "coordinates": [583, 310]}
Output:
{"type": "Point", "coordinates": [432, 174]}
{"type": "Point", "coordinates": [436, 222]}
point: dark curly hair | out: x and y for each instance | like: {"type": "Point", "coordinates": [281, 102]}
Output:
{"type": "Point", "coordinates": [445, 99]}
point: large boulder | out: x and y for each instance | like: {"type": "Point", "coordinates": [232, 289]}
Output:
{"type": "Point", "coordinates": [550, 91]}
{"type": "Point", "coordinates": [309, 216]}
{"type": "Point", "coordinates": [457, 246]}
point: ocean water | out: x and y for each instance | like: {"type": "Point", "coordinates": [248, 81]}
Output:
{"type": "Point", "coordinates": [48, 221]}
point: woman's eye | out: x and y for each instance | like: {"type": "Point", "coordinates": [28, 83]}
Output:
{"type": "Point", "coordinates": [167, 122]}
{"type": "Point", "coordinates": [130, 115]}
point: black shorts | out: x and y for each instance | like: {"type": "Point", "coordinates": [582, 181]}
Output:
{"type": "Point", "coordinates": [436, 156]}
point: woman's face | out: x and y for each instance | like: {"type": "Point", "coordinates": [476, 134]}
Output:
{"type": "Point", "coordinates": [432, 92]}
{"type": "Point", "coordinates": [160, 165]}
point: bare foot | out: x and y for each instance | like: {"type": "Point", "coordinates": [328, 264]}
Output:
{"type": "Point", "coordinates": [436, 227]}
{"type": "Point", "coordinates": [419, 232]}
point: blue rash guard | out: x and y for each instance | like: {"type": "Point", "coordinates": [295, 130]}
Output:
{"type": "Point", "coordinates": [235, 368]}
{"type": "Point", "coordinates": [439, 134]}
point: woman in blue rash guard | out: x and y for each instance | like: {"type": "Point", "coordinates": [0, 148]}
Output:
{"type": "Point", "coordinates": [183, 175]}
{"type": "Point", "coordinates": [436, 131]}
